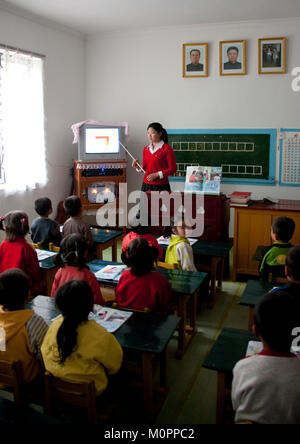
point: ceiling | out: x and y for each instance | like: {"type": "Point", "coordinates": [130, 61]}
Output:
{"type": "Point", "coordinates": [94, 16]}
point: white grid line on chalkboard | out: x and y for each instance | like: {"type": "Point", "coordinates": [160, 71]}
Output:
{"type": "Point", "coordinates": [228, 147]}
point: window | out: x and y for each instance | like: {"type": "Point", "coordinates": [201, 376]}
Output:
{"type": "Point", "coordinates": [22, 133]}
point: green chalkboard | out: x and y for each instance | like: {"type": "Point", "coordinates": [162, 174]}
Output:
{"type": "Point", "coordinates": [246, 156]}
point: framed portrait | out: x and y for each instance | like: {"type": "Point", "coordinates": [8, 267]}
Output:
{"type": "Point", "coordinates": [194, 59]}
{"type": "Point", "coordinates": [271, 56]}
{"type": "Point", "coordinates": [233, 58]}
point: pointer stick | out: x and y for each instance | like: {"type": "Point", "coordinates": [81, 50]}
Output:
{"type": "Point", "coordinates": [131, 156]}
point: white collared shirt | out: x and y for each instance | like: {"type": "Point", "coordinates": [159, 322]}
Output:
{"type": "Point", "coordinates": [153, 150]}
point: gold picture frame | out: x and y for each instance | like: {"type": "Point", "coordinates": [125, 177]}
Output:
{"type": "Point", "coordinates": [272, 55]}
{"type": "Point", "coordinates": [232, 58]}
{"type": "Point", "coordinates": [194, 60]}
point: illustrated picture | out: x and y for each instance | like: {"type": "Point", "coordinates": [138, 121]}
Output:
{"type": "Point", "coordinates": [233, 58]}
{"type": "Point", "coordinates": [204, 179]}
{"type": "Point", "coordinates": [271, 56]}
{"type": "Point", "coordinates": [194, 60]}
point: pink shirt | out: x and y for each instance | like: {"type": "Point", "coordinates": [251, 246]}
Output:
{"type": "Point", "coordinates": [68, 273]}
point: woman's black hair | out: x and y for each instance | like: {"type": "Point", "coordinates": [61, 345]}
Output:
{"type": "Point", "coordinates": [14, 289]}
{"type": "Point", "coordinates": [141, 257]}
{"type": "Point", "coordinates": [160, 129]}
{"type": "Point", "coordinates": [72, 252]}
{"type": "Point", "coordinates": [15, 224]}
{"type": "Point", "coordinates": [75, 301]}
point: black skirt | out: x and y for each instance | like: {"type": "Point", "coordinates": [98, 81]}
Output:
{"type": "Point", "coordinates": [163, 187]}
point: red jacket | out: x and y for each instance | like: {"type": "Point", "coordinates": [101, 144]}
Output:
{"type": "Point", "coordinates": [162, 160]}
{"type": "Point", "coordinates": [151, 291]}
{"type": "Point", "coordinates": [149, 238]}
{"type": "Point", "coordinates": [20, 254]}
{"type": "Point", "coordinates": [68, 273]}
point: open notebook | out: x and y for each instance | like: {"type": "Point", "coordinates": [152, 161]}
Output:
{"type": "Point", "coordinates": [110, 318]}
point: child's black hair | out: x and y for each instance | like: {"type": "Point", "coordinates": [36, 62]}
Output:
{"type": "Point", "coordinates": [15, 224]}
{"type": "Point", "coordinates": [141, 229]}
{"type": "Point", "coordinates": [284, 227]}
{"type": "Point", "coordinates": [293, 262]}
{"type": "Point", "coordinates": [14, 289]}
{"type": "Point", "coordinates": [72, 252]}
{"type": "Point", "coordinates": [141, 257]}
{"type": "Point", "coordinates": [159, 129]}
{"type": "Point", "coordinates": [72, 206]}
{"type": "Point", "coordinates": [75, 301]}
{"type": "Point", "coordinates": [42, 206]}
{"type": "Point", "coordinates": [174, 222]}
{"type": "Point", "coordinates": [276, 314]}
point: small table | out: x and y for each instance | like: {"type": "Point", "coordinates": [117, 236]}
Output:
{"type": "Point", "coordinates": [185, 288]}
{"type": "Point", "coordinates": [104, 239]}
{"type": "Point", "coordinates": [144, 333]}
{"type": "Point", "coordinates": [229, 348]}
{"type": "Point", "coordinates": [253, 291]}
{"type": "Point", "coordinates": [48, 270]}
{"type": "Point", "coordinates": [215, 253]}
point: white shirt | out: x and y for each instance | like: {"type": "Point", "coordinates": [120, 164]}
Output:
{"type": "Point", "coordinates": [266, 390]}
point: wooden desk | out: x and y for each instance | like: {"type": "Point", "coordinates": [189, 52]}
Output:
{"type": "Point", "coordinates": [185, 288]}
{"type": "Point", "coordinates": [106, 239]}
{"type": "Point", "coordinates": [252, 227]}
{"type": "Point", "coordinates": [48, 270]}
{"type": "Point", "coordinates": [253, 291]}
{"type": "Point", "coordinates": [229, 348]}
{"type": "Point", "coordinates": [209, 257]}
{"type": "Point", "coordinates": [143, 333]}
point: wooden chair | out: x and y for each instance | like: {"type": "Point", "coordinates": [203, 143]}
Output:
{"type": "Point", "coordinates": [59, 391]}
{"type": "Point", "coordinates": [53, 247]}
{"type": "Point", "coordinates": [115, 305]}
{"type": "Point", "coordinates": [11, 379]}
{"type": "Point", "coordinates": [168, 266]}
{"type": "Point", "coordinates": [37, 245]}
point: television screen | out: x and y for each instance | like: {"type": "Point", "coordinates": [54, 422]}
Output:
{"type": "Point", "coordinates": [100, 143]}
{"type": "Point", "coordinates": [102, 140]}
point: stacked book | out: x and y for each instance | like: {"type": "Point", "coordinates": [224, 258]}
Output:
{"type": "Point", "coordinates": [240, 199]}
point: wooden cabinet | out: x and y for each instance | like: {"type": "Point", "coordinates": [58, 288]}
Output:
{"type": "Point", "coordinates": [252, 227]}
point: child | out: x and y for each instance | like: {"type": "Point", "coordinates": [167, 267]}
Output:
{"type": "Point", "coordinates": [15, 252]}
{"type": "Point", "coordinates": [142, 287]}
{"type": "Point", "coordinates": [141, 231]}
{"type": "Point", "coordinates": [266, 387]}
{"type": "Point", "coordinates": [179, 251]}
{"type": "Point", "coordinates": [273, 260]}
{"type": "Point", "coordinates": [43, 229]}
{"type": "Point", "coordinates": [292, 272]}
{"type": "Point", "coordinates": [22, 330]}
{"type": "Point", "coordinates": [75, 224]}
{"type": "Point", "coordinates": [76, 348]}
{"type": "Point", "coordinates": [71, 259]}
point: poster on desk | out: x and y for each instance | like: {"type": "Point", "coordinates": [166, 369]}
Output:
{"type": "Point", "coordinates": [203, 179]}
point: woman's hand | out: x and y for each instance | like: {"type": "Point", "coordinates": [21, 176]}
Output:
{"type": "Point", "coordinates": [136, 164]}
{"type": "Point", "coordinates": [152, 177]}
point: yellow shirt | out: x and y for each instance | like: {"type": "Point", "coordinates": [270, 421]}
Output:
{"type": "Point", "coordinates": [97, 353]}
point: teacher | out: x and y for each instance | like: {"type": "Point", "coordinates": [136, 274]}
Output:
{"type": "Point", "coordinates": [158, 160]}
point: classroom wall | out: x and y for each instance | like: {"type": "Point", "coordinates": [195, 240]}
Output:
{"type": "Point", "coordinates": [137, 77]}
{"type": "Point", "coordinates": [64, 102]}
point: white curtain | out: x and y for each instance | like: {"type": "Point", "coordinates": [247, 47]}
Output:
{"type": "Point", "coordinates": [22, 126]}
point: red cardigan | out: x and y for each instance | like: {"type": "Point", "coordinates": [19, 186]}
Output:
{"type": "Point", "coordinates": [162, 160]}
{"type": "Point", "coordinates": [151, 291]}
{"type": "Point", "coordinates": [20, 254]}
{"type": "Point", "coordinates": [68, 273]}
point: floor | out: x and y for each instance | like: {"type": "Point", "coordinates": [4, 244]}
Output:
{"type": "Point", "coordinates": [192, 393]}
